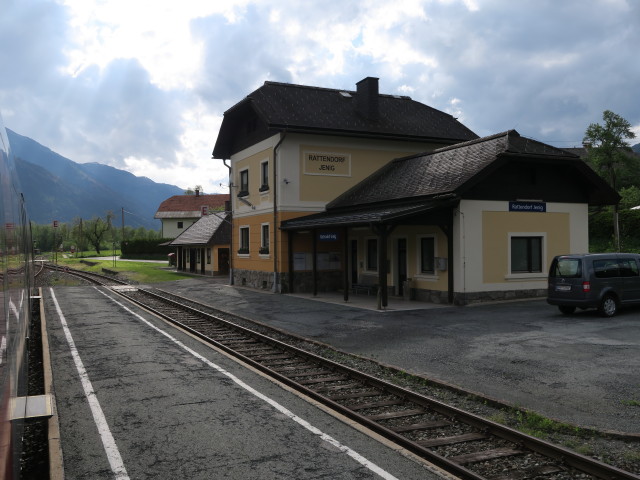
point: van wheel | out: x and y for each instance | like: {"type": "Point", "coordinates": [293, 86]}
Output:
{"type": "Point", "coordinates": [566, 310]}
{"type": "Point", "coordinates": [608, 306]}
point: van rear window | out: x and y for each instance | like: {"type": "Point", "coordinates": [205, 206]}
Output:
{"type": "Point", "coordinates": [566, 268]}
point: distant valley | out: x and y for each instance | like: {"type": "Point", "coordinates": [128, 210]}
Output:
{"type": "Point", "coordinates": [56, 188]}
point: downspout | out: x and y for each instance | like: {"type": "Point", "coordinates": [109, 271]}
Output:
{"type": "Point", "coordinates": [276, 287]}
{"type": "Point", "coordinates": [224, 160]}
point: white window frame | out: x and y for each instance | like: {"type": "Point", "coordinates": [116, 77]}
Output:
{"type": "Point", "coordinates": [543, 257]}
{"type": "Point", "coordinates": [240, 230]}
{"type": "Point", "coordinates": [419, 273]}
{"type": "Point", "coordinates": [264, 182]}
{"type": "Point", "coordinates": [266, 243]}
{"type": "Point", "coordinates": [245, 191]}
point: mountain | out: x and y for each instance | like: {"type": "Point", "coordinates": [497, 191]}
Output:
{"type": "Point", "coordinates": [56, 188]}
{"type": "Point", "coordinates": [636, 148]}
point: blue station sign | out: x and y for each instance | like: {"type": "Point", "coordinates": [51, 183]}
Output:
{"type": "Point", "coordinates": [540, 207]}
{"type": "Point", "coordinates": [328, 236]}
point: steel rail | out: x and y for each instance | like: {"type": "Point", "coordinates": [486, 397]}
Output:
{"type": "Point", "coordinates": [560, 454]}
{"type": "Point", "coordinates": [92, 277]}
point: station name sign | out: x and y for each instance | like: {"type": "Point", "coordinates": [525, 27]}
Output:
{"type": "Point", "coordinates": [540, 207]}
{"type": "Point", "coordinates": [327, 163]}
{"type": "Point", "coordinates": [328, 236]}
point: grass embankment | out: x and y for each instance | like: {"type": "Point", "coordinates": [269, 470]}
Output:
{"type": "Point", "coordinates": [140, 272]}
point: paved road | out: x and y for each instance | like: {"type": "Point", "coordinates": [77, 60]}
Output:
{"type": "Point", "coordinates": [155, 403]}
{"type": "Point", "coordinates": [581, 369]}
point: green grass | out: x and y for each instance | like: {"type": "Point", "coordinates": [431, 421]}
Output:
{"type": "Point", "coordinates": [632, 456]}
{"type": "Point", "coordinates": [536, 425]}
{"type": "Point", "coordinates": [140, 272]}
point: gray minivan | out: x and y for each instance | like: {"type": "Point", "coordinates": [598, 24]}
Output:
{"type": "Point", "coordinates": [605, 281]}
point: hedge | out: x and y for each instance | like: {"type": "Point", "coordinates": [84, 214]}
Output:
{"type": "Point", "coordinates": [601, 230]}
{"type": "Point", "coordinates": [146, 247]}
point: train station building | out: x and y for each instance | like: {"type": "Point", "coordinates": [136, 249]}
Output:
{"type": "Point", "coordinates": [203, 247]}
{"type": "Point", "coordinates": [359, 192]}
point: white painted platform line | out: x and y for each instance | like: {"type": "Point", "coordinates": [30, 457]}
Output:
{"type": "Point", "coordinates": [108, 442]}
{"type": "Point", "coordinates": [300, 421]}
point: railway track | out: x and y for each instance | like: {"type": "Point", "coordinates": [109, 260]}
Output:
{"type": "Point", "coordinates": [95, 278]}
{"type": "Point", "coordinates": [459, 442]}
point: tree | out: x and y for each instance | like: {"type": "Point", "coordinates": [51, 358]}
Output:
{"type": "Point", "coordinates": [95, 229]}
{"type": "Point", "coordinates": [630, 197]}
{"type": "Point", "coordinates": [608, 153]}
{"type": "Point", "coordinates": [192, 191]}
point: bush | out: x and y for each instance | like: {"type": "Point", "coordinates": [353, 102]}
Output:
{"type": "Point", "coordinates": [146, 248]}
{"type": "Point", "coordinates": [601, 231]}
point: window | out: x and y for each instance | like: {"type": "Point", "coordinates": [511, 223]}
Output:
{"type": "Point", "coordinates": [606, 268]}
{"type": "Point", "coordinates": [628, 268]}
{"type": "Point", "coordinates": [179, 224]}
{"type": "Point", "coordinates": [244, 183]}
{"type": "Point", "coordinates": [264, 239]}
{"type": "Point", "coordinates": [264, 176]}
{"type": "Point", "coordinates": [372, 254]}
{"type": "Point", "coordinates": [209, 256]}
{"type": "Point", "coordinates": [526, 254]}
{"type": "Point", "coordinates": [566, 268]}
{"type": "Point", "coordinates": [428, 255]}
{"type": "Point", "coordinates": [244, 240]}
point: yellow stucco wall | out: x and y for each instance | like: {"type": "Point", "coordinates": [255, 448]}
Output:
{"type": "Point", "coordinates": [316, 186]}
{"type": "Point", "coordinates": [254, 260]}
{"type": "Point", "coordinates": [482, 242]}
{"type": "Point", "coordinates": [252, 163]}
{"type": "Point", "coordinates": [496, 227]}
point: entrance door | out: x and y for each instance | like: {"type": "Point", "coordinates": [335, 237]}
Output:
{"type": "Point", "coordinates": [223, 260]}
{"type": "Point", "coordinates": [192, 260]}
{"type": "Point", "coordinates": [354, 262]}
{"type": "Point", "coordinates": [402, 264]}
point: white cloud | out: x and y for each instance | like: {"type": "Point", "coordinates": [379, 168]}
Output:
{"type": "Point", "coordinates": [144, 83]}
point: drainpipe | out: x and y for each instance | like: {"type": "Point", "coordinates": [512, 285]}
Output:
{"type": "Point", "coordinates": [276, 287]}
{"type": "Point", "coordinates": [224, 160]}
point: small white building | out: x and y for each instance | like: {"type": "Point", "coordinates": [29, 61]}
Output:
{"type": "Point", "coordinates": [179, 212]}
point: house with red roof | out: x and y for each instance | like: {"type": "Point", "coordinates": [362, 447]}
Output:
{"type": "Point", "coordinates": [179, 212]}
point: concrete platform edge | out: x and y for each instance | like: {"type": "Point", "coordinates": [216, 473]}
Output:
{"type": "Point", "coordinates": [56, 463]}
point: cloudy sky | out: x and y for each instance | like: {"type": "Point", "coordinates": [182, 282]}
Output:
{"type": "Point", "coordinates": [142, 84]}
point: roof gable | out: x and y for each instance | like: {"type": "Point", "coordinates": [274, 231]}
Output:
{"type": "Point", "coordinates": [184, 206]}
{"type": "Point", "coordinates": [210, 229]}
{"type": "Point", "coordinates": [459, 168]}
{"type": "Point", "coordinates": [364, 113]}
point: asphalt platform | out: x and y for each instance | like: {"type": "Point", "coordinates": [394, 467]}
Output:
{"type": "Point", "coordinates": [136, 398]}
{"type": "Point", "coordinates": [581, 369]}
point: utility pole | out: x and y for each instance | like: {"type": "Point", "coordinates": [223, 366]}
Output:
{"type": "Point", "coordinates": [122, 239]}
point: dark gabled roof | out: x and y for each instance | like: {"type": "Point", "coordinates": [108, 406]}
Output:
{"type": "Point", "coordinates": [212, 229]}
{"type": "Point", "coordinates": [450, 169]}
{"type": "Point", "coordinates": [365, 216]}
{"type": "Point", "coordinates": [299, 108]}
{"type": "Point", "coordinates": [188, 206]}
{"type": "Point", "coordinates": [415, 184]}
